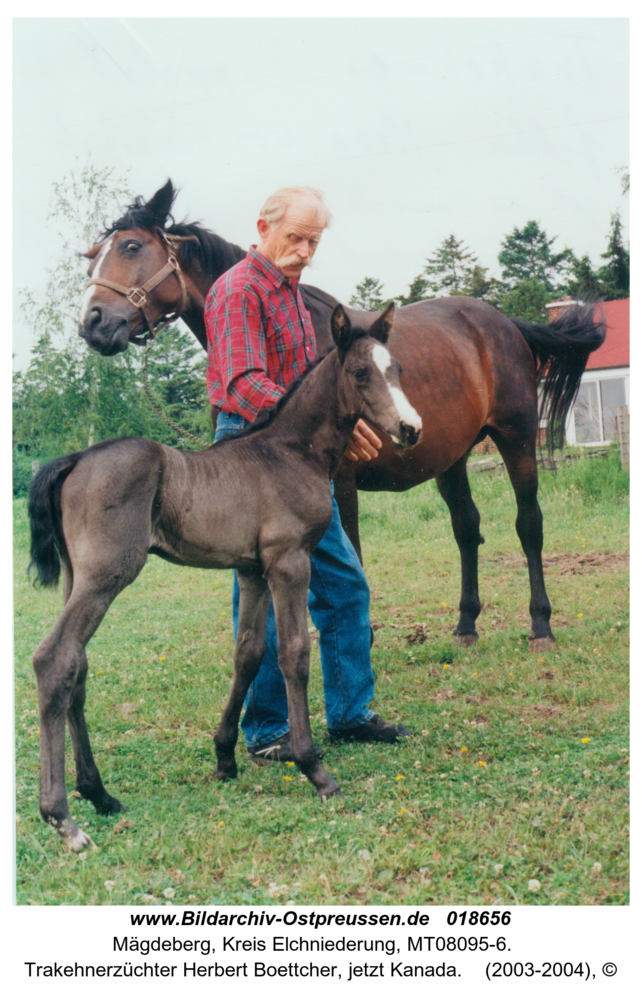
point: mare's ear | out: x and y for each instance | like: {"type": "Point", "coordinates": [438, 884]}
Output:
{"type": "Point", "coordinates": [382, 326]}
{"type": "Point", "coordinates": [92, 252]}
{"type": "Point", "coordinates": [341, 329]}
{"type": "Point", "coordinates": [160, 203]}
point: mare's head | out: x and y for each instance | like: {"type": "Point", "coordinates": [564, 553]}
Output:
{"type": "Point", "coordinates": [370, 377]}
{"type": "Point", "coordinates": [117, 308]}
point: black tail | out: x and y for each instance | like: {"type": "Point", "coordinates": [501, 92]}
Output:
{"type": "Point", "coordinates": [45, 521]}
{"type": "Point", "coordinates": [561, 350]}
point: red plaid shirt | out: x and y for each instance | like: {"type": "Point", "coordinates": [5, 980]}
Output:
{"type": "Point", "coordinates": [259, 334]}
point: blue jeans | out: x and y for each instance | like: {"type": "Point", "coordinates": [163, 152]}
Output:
{"type": "Point", "coordinates": [339, 604]}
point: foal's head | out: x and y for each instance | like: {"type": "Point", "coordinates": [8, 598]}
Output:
{"type": "Point", "coordinates": [370, 377]}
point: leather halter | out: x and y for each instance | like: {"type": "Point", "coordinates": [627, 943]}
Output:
{"type": "Point", "coordinates": [138, 296]}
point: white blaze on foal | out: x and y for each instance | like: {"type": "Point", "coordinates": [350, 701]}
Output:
{"type": "Point", "coordinates": [407, 413]}
{"type": "Point", "coordinates": [91, 291]}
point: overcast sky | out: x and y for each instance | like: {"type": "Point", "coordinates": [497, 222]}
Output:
{"type": "Point", "coordinates": [413, 129]}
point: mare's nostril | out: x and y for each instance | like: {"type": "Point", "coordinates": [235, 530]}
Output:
{"type": "Point", "coordinates": [95, 317]}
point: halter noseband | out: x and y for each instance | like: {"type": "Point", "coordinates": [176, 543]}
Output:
{"type": "Point", "coordinates": [138, 296]}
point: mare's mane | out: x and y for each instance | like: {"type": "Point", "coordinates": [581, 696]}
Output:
{"type": "Point", "coordinates": [210, 252]}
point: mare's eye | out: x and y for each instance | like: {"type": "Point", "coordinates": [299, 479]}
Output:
{"type": "Point", "coordinates": [360, 374]}
{"type": "Point", "coordinates": [131, 246]}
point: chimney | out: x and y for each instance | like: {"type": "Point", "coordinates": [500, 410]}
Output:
{"type": "Point", "coordinates": [555, 309]}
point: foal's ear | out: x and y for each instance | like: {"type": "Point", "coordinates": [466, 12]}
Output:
{"type": "Point", "coordinates": [382, 326]}
{"type": "Point", "coordinates": [341, 328]}
{"type": "Point", "coordinates": [160, 203]}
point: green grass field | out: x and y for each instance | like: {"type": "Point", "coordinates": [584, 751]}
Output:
{"type": "Point", "coordinates": [512, 790]}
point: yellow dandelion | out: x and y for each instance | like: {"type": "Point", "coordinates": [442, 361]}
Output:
{"type": "Point", "coordinates": [289, 763]}
{"type": "Point", "coordinates": [162, 658]}
{"type": "Point", "coordinates": [288, 777]}
{"type": "Point", "coordinates": [443, 604]}
{"type": "Point", "coordinates": [580, 615]}
{"type": "Point", "coordinates": [399, 777]}
{"type": "Point", "coordinates": [101, 671]}
{"type": "Point", "coordinates": [482, 763]}
{"type": "Point", "coordinates": [464, 749]}
{"type": "Point", "coordinates": [446, 665]}
{"type": "Point", "coordinates": [223, 612]}
{"type": "Point", "coordinates": [221, 824]}
{"type": "Point", "coordinates": [587, 739]}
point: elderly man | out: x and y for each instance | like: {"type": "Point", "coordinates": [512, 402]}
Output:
{"type": "Point", "coordinates": [260, 339]}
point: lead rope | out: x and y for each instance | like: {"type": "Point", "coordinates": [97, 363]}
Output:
{"type": "Point", "coordinates": [158, 411]}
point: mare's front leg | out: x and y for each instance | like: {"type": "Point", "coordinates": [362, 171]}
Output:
{"type": "Point", "coordinates": [289, 579]}
{"type": "Point", "coordinates": [248, 653]}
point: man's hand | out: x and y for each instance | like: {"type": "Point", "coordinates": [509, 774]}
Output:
{"type": "Point", "coordinates": [364, 443]}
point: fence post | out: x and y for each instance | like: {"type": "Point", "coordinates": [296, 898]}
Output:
{"type": "Point", "coordinates": [623, 434]}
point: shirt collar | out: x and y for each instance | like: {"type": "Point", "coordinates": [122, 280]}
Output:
{"type": "Point", "coordinates": [269, 270]}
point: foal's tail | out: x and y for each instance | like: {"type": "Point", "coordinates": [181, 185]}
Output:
{"type": "Point", "coordinates": [44, 517]}
{"type": "Point", "coordinates": [561, 350]}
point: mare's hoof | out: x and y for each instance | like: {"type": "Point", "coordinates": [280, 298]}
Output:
{"type": "Point", "coordinates": [542, 645]}
{"type": "Point", "coordinates": [467, 639]}
{"type": "Point", "coordinates": [226, 774]}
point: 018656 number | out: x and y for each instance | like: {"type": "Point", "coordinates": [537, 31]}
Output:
{"type": "Point", "coordinates": [482, 918]}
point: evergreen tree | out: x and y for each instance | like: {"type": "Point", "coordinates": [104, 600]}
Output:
{"type": "Point", "coordinates": [449, 267]}
{"type": "Point", "coordinates": [368, 295]}
{"type": "Point", "coordinates": [615, 274]}
{"type": "Point", "coordinates": [527, 255]}
{"type": "Point", "coordinates": [479, 286]}
{"type": "Point", "coordinates": [416, 292]}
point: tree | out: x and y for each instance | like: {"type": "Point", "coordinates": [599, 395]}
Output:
{"type": "Point", "coordinates": [449, 267]}
{"type": "Point", "coordinates": [368, 295]}
{"type": "Point", "coordinates": [527, 255]}
{"type": "Point", "coordinates": [615, 274]}
{"type": "Point", "coordinates": [479, 286]}
{"type": "Point", "coordinates": [416, 292]}
{"type": "Point", "coordinates": [526, 301]}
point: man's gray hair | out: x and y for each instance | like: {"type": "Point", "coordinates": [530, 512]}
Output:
{"type": "Point", "coordinates": [277, 204]}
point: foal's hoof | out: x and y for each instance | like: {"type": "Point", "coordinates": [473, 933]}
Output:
{"type": "Point", "coordinates": [108, 806]}
{"type": "Point", "coordinates": [74, 839]}
{"type": "Point", "coordinates": [330, 790]}
{"type": "Point", "coordinates": [544, 644]}
{"type": "Point", "coordinates": [467, 639]}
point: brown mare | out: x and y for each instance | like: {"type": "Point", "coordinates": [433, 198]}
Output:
{"type": "Point", "coordinates": [258, 503]}
{"type": "Point", "coordinates": [469, 371]}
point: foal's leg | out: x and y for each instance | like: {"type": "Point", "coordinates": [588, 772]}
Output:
{"type": "Point", "coordinates": [289, 579]}
{"type": "Point", "coordinates": [250, 646]}
{"type": "Point", "coordinates": [59, 662]}
{"type": "Point", "coordinates": [88, 780]}
{"type": "Point", "coordinates": [455, 489]}
{"type": "Point", "coordinates": [521, 464]}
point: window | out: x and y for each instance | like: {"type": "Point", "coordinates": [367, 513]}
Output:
{"type": "Point", "coordinates": [595, 410]}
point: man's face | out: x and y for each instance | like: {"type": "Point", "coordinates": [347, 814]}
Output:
{"type": "Point", "coordinates": [293, 243]}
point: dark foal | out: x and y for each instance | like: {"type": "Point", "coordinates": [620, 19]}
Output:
{"type": "Point", "coordinates": [470, 373]}
{"type": "Point", "coordinates": [258, 503]}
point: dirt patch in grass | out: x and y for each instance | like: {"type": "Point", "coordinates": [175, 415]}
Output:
{"type": "Point", "coordinates": [579, 563]}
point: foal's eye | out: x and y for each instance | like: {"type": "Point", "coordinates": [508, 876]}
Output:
{"type": "Point", "coordinates": [131, 246]}
{"type": "Point", "coordinates": [360, 374]}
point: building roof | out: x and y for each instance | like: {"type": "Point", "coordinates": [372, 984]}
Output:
{"type": "Point", "coordinates": [614, 352]}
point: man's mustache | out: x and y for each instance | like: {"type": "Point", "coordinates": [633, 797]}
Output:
{"type": "Point", "coordinates": [292, 260]}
